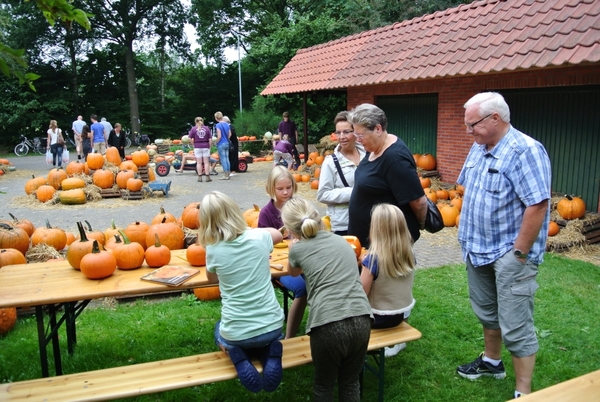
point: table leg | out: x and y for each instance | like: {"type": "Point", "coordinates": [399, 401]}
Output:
{"type": "Point", "coordinates": [72, 311]}
{"type": "Point", "coordinates": [39, 315]}
{"type": "Point", "coordinates": [54, 337]}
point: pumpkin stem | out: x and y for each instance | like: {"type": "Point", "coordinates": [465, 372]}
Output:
{"type": "Point", "coordinates": [125, 238]}
{"type": "Point", "coordinates": [157, 241]}
{"type": "Point", "coordinates": [48, 224]}
{"type": "Point", "coordinates": [569, 197]}
{"type": "Point", "coordinates": [112, 223]}
{"type": "Point", "coordinates": [162, 209]}
{"type": "Point", "coordinates": [164, 219]}
{"type": "Point", "coordinates": [82, 235]}
{"type": "Point", "coordinates": [14, 218]}
{"type": "Point", "coordinates": [5, 226]}
{"type": "Point", "coordinates": [95, 248]}
{"type": "Point", "coordinates": [118, 238]}
{"type": "Point", "coordinates": [89, 226]}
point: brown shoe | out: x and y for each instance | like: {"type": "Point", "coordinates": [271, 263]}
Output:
{"type": "Point", "coordinates": [208, 179]}
{"type": "Point", "coordinates": [199, 179]}
{"type": "Point", "coordinates": [225, 176]}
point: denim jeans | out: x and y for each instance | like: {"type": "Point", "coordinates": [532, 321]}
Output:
{"type": "Point", "coordinates": [57, 151]}
{"type": "Point", "coordinates": [250, 343]}
{"type": "Point", "coordinates": [224, 156]}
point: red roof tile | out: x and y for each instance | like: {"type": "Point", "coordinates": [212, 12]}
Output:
{"type": "Point", "coordinates": [487, 36]}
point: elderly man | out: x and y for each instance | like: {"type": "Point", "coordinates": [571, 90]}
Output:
{"type": "Point", "coordinates": [77, 126]}
{"type": "Point", "coordinates": [502, 232]}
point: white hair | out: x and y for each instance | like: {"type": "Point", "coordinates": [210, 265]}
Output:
{"type": "Point", "coordinates": [490, 102]}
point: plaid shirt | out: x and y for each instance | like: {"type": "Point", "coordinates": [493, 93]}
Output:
{"type": "Point", "coordinates": [499, 185]}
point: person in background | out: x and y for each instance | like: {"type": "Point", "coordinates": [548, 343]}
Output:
{"type": "Point", "coordinates": [99, 142]}
{"type": "Point", "coordinates": [55, 143]}
{"type": "Point", "coordinates": [86, 141]}
{"type": "Point", "coordinates": [251, 318]}
{"type": "Point", "coordinates": [223, 133]}
{"type": "Point", "coordinates": [387, 174]}
{"type": "Point", "coordinates": [502, 232]}
{"type": "Point", "coordinates": [388, 270]}
{"type": "Point", "coordinates": [117, 139]}
{"type": "Point", "coordinates": [77, 126]}
{"type": "Point", "coordinates": [281, 187]}
{"type": "Point", "coordinates": [233, 147]}
{"type": "Point", "coordinates": [200, 135]}
{"type": "Point", "coordinates": [339, 318]}
{"type": "Point", "coordinates": [286, 126]}
{"type": "Point", "coordinates": [107, 128]}
{"type": "Point", "coordinates": [337, 174]}
{"type": "Point", "coordinates": [283, 149]}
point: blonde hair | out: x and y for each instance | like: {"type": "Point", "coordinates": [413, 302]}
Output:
{"type": "Point", "coordinates": [218, 116]}
{"type": "Point", "coordinates": [53, 124]}
{"type": "Point", "coordinates": [391, 241]}
{"type": "Point", "coordinates": [301, 218]}
{"type": "Point", "coordinates": [276, 174]}
{"type": "Point", "coordinates": [220, 219]}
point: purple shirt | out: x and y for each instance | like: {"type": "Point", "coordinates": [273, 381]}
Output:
{"type": "Point", "coordinates": [289, 128]}
{"type": "Point", "coordinates": [201, 137]}
{"type": "Point", "coordinates": [270, 216]}
{"type": "Point", "coordinates": [284, 146]}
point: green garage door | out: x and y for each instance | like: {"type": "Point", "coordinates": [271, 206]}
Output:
{"type": "Point", "coordinates": [413, 119]}
{"type": "Point", "coordinates": [567, 121]}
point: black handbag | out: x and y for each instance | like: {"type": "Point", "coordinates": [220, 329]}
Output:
{"type": "Point", "coordinates": [433, 220]}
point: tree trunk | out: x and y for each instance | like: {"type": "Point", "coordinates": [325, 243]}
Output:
{"type": "Point", "coordinates": [134, 108]}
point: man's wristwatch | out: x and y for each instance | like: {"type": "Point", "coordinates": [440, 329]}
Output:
{"type": "Point", "coordinates": [519, 254]}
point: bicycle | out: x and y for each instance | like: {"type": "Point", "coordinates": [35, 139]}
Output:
{"type": "Point", "coordinates": [138, 139]}
{"type": "Point", "coordinates": [68, 140]}
{"type": "Point", "coordinates": [38, 145]}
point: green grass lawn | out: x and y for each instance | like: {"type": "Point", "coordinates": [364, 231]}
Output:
{"type": "Point", "coordinates": [146, 330]}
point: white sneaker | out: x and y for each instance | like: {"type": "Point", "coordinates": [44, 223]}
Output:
{"type": "Point", "coordinates": [394, 350]}
{"type": "Point", "coordinates": [232, 174]}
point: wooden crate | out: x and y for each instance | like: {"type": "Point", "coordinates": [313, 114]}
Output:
{"type": "Point", "coordinates": [109, 193]}
{"type": "Point", "coordinates": [132, 195]}
{"type": "Point", "coordinates": [162, 148]}
{"type": "Point", "coordinates": [143, 173]}
{"type": "Point", "coordinates": [590, 231]}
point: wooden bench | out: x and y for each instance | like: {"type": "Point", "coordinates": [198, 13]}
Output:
{"type": "Point", "coordinates": [585, 388]}
{"type": "Point", "coordinates": [183, 372]}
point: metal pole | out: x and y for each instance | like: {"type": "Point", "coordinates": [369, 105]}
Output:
{"type": "Point", "coordinates": [239, 72]}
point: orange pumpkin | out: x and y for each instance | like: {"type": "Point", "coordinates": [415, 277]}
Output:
{"type": "Point", "coordinates": [190, 217]}
{"type": "Point", "coordinates": [425, 182]}
{"type": "Point", "coordinates": [45, 193]}
{"type": "Point", "coordinates": [571, 207]}
{"type": "Point", "coordinates": [34, 183]}
{"type": "Point", "coordinates": [123, 176]}
{"type": "Point", "coordinates": [442, 194]}
{"type": "Point", "coordinates": [79, 248]}
{"type": "Point", "coordinates": [196, 255]}
{"type": "Point", "coordinates": [128, 165]}
{"type": "Point", "coordinates": [95, 234]}
{"type": "Point", "coordinates": [297, 177]}
{"type": "Point", "coordinates": [449, 215]}
{"type": "Point", "coordinates": [430, 193]}
{"type": "Point", "coordinates": [55, 177]}
{"type": "Point", "coordinates": [305, 177]}
{"type": "Point", "coordinates": [426, 162]}
{"type": "Point", "coordinates": [314, 184]}
{"type": "Point", "coordinates": [553, 228]}
{"type": "Point", "coordinates": [8, 319]}
{"type": "Point", "coordinates": [112, 156]}
{"type": "Point", "coordinates": [24, 224]}
{"type": "Point", "coordinates": [169, 233]}
{"type": "Point", "coordinates": [134, 184]}
{"type": "Point", "coordinates": [317, 173]}
{"type": "Point", "coordinates": [457, 202]}
{"type": "Point", "coordinates": [11, 256]}
{"type": "Point", "coordinates": [355, 244]}
{"type": "Point", "coordinates": [208, 293]}
{"type": "Point", "coordinates": [157, 255]}
{"type": "Point", "coordinates": [140, 158]}
{"type": "Point", "coordinates": [111, 231]}
{"type": "Point", "coordinates": [98, 264]}
{"type": "Point", "coordinates": [128, 255]}
{"type": "Point", "coordinates": [251, 216]}
{"type": "Point", "coordinates": [72, 183]}
{"type": "Point", "coordinates": [95, 161]}
{"type": "Point", "coordinates": [137, 231]}
{"type": "Point", "coordinates": [163, 217]}
{"type": "Point", "coordinates": [13, 237]}
{"type": "Point", "coordinates": [103, 178]}
{"type": "Point", "coordinates": [416, 157]}
{"type": "Point", "coordinates": [53, 237]}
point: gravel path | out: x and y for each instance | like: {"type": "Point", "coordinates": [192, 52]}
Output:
{"type": "Point", "coordinates": [245, 188]}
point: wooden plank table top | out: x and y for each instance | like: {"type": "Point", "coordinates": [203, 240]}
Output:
{"type": "Point", "coordinates": [585, 388]}
{"type": "Point", "coordinates": [57, 282]}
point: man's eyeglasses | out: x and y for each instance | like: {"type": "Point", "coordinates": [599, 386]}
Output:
{"type": "Point", "coordinates": [471, 126]}
{"type": "Point", "coordinates": [344, 133]}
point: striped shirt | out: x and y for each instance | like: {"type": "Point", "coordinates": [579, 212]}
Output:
{"type": "Point", "coordinates": [499, 185]}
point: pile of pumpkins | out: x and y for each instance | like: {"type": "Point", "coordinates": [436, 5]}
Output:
{"type": "Point", "coordinates": [71, 186]}
{"type": "Point", "coordinates": [569, 208]}
{"type": "Point", "coordinates": [311, 171]}
{"type": "Point", "coordinates": [5, 166]}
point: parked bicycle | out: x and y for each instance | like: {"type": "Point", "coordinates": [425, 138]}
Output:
{"type": "Point", "coordinates": [138, 139]}
{"type": "Point", "coordinates": [68, 140]}
{"type": "Point", "coordinates": [38, 145]}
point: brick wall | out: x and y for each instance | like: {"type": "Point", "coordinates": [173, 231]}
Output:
{"type": "Point", "coordinates": [453, 142]}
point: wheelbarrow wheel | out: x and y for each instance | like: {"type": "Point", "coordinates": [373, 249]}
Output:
{"type": "Point", "coordinates": [162, 169]}
{"type": "Point", "coordinates": [242, 166]}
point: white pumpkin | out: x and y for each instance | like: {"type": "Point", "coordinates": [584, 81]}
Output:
{"type": "Point", "coordinates": [185, 139]}
{"type": "Point", "coordinates": [268, 135]}
{"type": "Point", "coordinates": [159, 141]}
{"type": "Point", "coordinates": [151, 152]}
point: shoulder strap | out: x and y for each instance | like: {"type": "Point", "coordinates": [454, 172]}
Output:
{"type": "Point", "coordinates": [339, 169]}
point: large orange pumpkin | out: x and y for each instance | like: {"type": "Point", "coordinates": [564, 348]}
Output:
{"type": "Point", "coordinates": [571, 207]}
{"type": "Point", "coordinates": [123, 176]}
{"type": "Point", "coordinates": [95, 161]}
{"type": "Point", "coordinates": [45, 193]}
{"type": "Point", "coordinates": [449, 215]}
{"type": "Point", "coordinates": [79, 248]}
{"type": "Point", "coordinates": [140, 158]}
{"type": "Point", "coordinates": [196, 255]}
{"type": "Point", "coordinates": [128, 165]}
{"type": "Point", "coordinates": [34, 183]}
{"type": "Point", "coordinates": [190, 217]}
{"type": "Point", "coordinates": [137, 231]}
{"type": "Point", "coordinates": [8, 319]}
{"type": "Point", "coordinates": [55, 177]}
{"type": "Point", "coordinates": [169, 233]}
{"type": "Point", "coordinates": [98, 264]}
{"type": "Point", "coordinates": [426, 162]}
{"type": "Point", "coordinates": [75, 167]}
{"type": "Point", "coordinates": [11, 256]}
{"type": "Point", "coordinates": [112, 155]}
{"type": "Point", "coordinates": [24, 224]}
{"type": "Point", "coordinates": [103, 178]}
{"type": "Point", "coordinates": [251, 216]}
{"type": "Point", "coordinates": [163, 217]}
{"type": "Point", "coordinates": [128, 255]}
{"type": "Point", "coordinates": [53, 237]}
{"type": "Point", "coordinates": [13, 237]}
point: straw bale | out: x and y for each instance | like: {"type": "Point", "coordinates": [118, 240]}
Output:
{"type": "Point", "coordinates": [42, 253]}
{"type": "Point", "coordinates": [326, 143]}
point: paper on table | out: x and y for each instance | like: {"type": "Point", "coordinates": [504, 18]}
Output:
{"type": "Point", "coordinates": [170, 275]}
